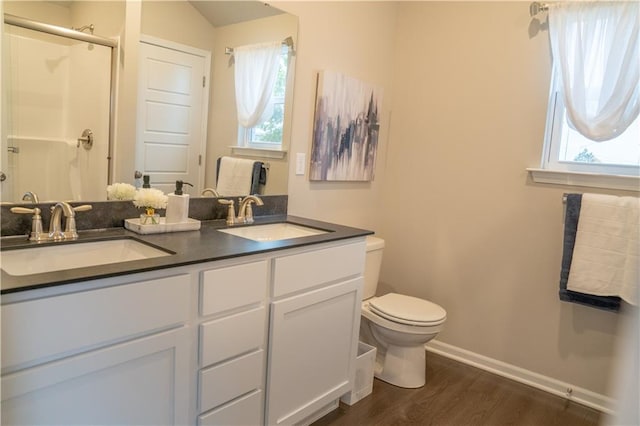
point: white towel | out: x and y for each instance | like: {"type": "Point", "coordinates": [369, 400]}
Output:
{"type": "Point", "coordinates": [605, 255]}
{"type": "Point", "coordinates": [234, 177]}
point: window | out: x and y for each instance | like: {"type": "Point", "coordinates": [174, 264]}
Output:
{"type": "Point", "coordinates": [268, 133]}
{"type": "Point", "coordinates": [595, 81]}
{"type": "Point", "coordinates": [567, 150]}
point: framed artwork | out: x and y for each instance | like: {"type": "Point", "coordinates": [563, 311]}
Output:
{"type": "Point", "coordinates": [345, 129]}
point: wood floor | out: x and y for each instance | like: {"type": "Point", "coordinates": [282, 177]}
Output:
{"type": "Point", "coordinates": [457, 394]}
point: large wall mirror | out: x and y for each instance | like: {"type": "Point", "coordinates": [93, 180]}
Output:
{"type": "Point", "coordinates": [59, 93]}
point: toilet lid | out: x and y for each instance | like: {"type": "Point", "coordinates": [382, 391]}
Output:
{"type": "Point", "coordinates": [408, 310]}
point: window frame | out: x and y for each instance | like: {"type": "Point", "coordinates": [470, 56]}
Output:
{"type": "Point", "coordinates": [553, 141]}
{"type": "Point", "coordinates": [554, 171]}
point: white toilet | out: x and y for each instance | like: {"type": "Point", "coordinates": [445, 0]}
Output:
{"type": "Point", "coordinates": [397, 325]}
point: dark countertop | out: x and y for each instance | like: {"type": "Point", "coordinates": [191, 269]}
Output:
{"type": "Point", "coordinates": [190, 247]}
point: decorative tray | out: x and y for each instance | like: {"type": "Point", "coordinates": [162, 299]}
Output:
{"type": "Point", "coordinates": [161, 227]}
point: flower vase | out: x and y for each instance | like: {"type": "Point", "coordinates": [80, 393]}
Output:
{"type": "Point", "coordinates": [150, 217]}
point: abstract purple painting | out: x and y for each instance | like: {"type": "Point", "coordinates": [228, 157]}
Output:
{"type": "Point", "coordinates": [345, 129]}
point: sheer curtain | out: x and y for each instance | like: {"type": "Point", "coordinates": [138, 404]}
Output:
{"type": "Point", "coordinates": [596, 52]}
{"type": "Point", "coordinates": [256, 69]}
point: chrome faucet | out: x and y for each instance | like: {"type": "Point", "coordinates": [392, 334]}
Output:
{"type": "Point", "coordinates": [245, 212]}
{"type": "Point", "coordinates": [55, 225]}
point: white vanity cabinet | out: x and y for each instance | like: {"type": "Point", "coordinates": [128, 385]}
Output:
{"type": "Point", "coordinates": [232, 344]}
{"type": "Point", "coordinates": [111, 355]}
{"type": "Point", "coordinates": [313, 337]}
{"type": "Point", "coordinates": [269, 338]}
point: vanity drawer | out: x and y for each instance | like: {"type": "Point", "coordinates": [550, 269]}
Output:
{"type": "Point", "coordinates": [230, 336]}
{"type": "Point", "coordinates": [241, 412]}
{"type": "Point", "coordinates": [71, 323]}
{"type": "Point", "coordinates": [306, 270]}
{"type": "Point", "coordinates": [230, 380]}
{"type": "Point", "coordinates": [233, 287]}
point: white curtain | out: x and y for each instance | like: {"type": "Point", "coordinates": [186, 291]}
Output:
{"type": "Point", "coordinates": [596, 52]}
{"type": "Point", "coordinates": [256, 69]}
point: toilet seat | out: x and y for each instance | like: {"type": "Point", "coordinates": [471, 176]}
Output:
{"type": "Point", "coordinates": [408, 310]}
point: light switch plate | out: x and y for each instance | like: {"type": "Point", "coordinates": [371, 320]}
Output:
{"type": "Point", "coordinates": [301, 162]}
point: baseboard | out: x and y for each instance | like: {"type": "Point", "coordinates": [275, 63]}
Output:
{"type": "Point", "coordinates": [547, 384]}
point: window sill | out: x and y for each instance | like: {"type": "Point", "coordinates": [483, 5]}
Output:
{"type": "Point", "coordinates": [592, 180]}
{"type": "Point", "coordinates": [258, 152]}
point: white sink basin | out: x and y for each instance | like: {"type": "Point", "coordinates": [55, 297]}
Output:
{"type": "Point", "coordinates": [36, 260]}
{"type": "Point", "coordinates": [273, 231]}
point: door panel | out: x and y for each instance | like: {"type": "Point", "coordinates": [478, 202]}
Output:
{"type": "Point", "coordinates": [312, 350]}
{"type": "Point", "coordinates": [136, 382]}
{"type": "Point", "coordinates": [171, 112]}
{"type": "Point", "coordinates": [161, 158]}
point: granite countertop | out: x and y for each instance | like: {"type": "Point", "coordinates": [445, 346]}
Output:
{"type": "Point", "coordinates": [190, 247]}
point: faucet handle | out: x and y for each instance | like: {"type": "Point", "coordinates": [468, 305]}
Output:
{"type": "Point", "coordinates": [25, 210]}
{"type": "Point", "coordinates": [36, 222]}
{"type": "Point", "coordinates": [231, 211]}
{"type": "Point", "coordinates": [70, 230]}
{"type": "Point", "coordinates": [83, 208]}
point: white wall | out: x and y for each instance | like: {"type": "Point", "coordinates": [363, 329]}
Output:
{"type": "Point", "coordinates": [464, 225]}
{"type": "Point", "coordinates": [469, 118]}
{"type": "Point", "coordinates": [356, 39]}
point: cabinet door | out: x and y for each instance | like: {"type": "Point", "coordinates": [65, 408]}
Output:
{"type": "Point", "coordinates": [312, 350]}
{"type": "Point", "coordinates": [48, 328]}
{"type": "Point", "coordinates": [136, 382]}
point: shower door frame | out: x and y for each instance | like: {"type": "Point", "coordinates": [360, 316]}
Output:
{"type": "Point", "coordinates": [89, 38]}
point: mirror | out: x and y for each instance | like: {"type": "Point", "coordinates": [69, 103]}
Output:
{"type": "Point", "coordinates": [205, 25]}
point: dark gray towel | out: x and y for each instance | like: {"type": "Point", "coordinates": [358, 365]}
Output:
{"type": "Point", "coordinates": [609, 303]}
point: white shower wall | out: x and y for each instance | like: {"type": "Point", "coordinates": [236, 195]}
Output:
{"type": "Point", "coordinates": [57, 88]}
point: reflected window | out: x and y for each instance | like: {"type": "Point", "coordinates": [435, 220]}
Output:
{"type": "Point", "coordinates": [268, 133]}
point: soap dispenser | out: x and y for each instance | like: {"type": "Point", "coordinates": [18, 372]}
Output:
{"type": "Point", "coordinates": [178, 205]}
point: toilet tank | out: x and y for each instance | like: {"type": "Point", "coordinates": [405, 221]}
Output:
{"type": "Point", "coordinates": [373, 261]}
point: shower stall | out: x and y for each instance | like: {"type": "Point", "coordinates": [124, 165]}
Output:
{"type": "Point", "coordinates": [58, 90]}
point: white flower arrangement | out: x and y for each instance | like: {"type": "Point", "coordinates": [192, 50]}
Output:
{"type": "Point", "coordinates": [150, 199]}
{"type": "Point", "coordinates": [121, 191]}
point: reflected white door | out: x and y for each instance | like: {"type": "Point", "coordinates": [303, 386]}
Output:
{"type": "Point", "coordinates": [172, 103]}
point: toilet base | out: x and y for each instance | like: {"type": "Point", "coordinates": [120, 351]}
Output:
{"type": "Point", "coordinates": [402, 366]}
{"type": "Point", "coordinates": [400, 358]}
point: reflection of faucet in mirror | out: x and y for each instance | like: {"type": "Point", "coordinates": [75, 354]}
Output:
{"type": "Point", "coordinates": [209, 190]}
{"type": "Point", "coordinates": [30, 196]}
